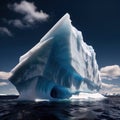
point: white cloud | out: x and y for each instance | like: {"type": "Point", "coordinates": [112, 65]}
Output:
{"type": "Point", "coordinates": [107, 85]}
{"type": "Point", "coordinates": [3, 83]}
{"type": "Point", "coordinates": [110, 72]}
{"type": "Point", "coordinates": [29, 10]}
{"type": "Point", "coordinates": [5, 75]}
{"type": "Point", "coordinates": [5, 31]}
{"type": "Point", "coordinates": [110, 89]}
{"type": "Point", "coordinates": [17, 23]}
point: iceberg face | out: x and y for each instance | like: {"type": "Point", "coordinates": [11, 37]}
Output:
{"type": "Point", "coordinates": [59, 66]}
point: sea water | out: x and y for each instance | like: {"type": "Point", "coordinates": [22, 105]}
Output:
{"type": "Point", "coordinates": [105, 109]}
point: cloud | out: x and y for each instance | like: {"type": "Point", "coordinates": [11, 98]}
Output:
{"type": "Point", "coordinates": [5, 31]}
{"type": "Point", "coordinates": [110, 72]}
{"type": "Point", "coordinates": [107, 85]}
{"type": "Point", "coordinates": [5, 75]}
{"type": "Point", "coordinates": [110, 79]}
{"type": "Point", "coordinates": [110, 89]}
{"type": "Point", "coordinates": [17, 23]}
{"type": "Point", "coordinates": [3, 84]}
{"type": "Point", "coordinates": [29, 10]}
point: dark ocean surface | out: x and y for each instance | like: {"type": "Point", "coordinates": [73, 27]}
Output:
{"type": "Point", "coordinates": [107, 109]}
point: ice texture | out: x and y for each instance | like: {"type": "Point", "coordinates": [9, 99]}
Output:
{"type": "Point", "coordinates": [59, 66]}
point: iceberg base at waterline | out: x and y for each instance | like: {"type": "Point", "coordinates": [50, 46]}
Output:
{"type": "Point", "coordinates": [60, 66]}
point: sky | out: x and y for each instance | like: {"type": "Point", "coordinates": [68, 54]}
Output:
{"type": "Point", "coordinates": [97, 19]}
{"type": "Point", "coordinates": [24, 23]}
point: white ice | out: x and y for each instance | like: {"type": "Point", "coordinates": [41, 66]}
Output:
{"type": "Point", "coordinates": [60, 66]}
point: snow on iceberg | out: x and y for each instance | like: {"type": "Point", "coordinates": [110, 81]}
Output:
{"type": "Point", "coordinates": [59, 66]}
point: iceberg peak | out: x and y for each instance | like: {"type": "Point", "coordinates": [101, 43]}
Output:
{"type": "Point", "coordinates": [64, 21]}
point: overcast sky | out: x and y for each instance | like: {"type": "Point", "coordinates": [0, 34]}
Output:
{"type": "Point", "coordinates": [24, 23]}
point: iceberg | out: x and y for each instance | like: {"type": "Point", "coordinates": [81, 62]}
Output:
{"type": "Point", "coordinates": [59, 66]}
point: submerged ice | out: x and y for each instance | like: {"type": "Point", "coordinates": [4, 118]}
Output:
{"type": "Point", "coordinates": [59, 66]}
